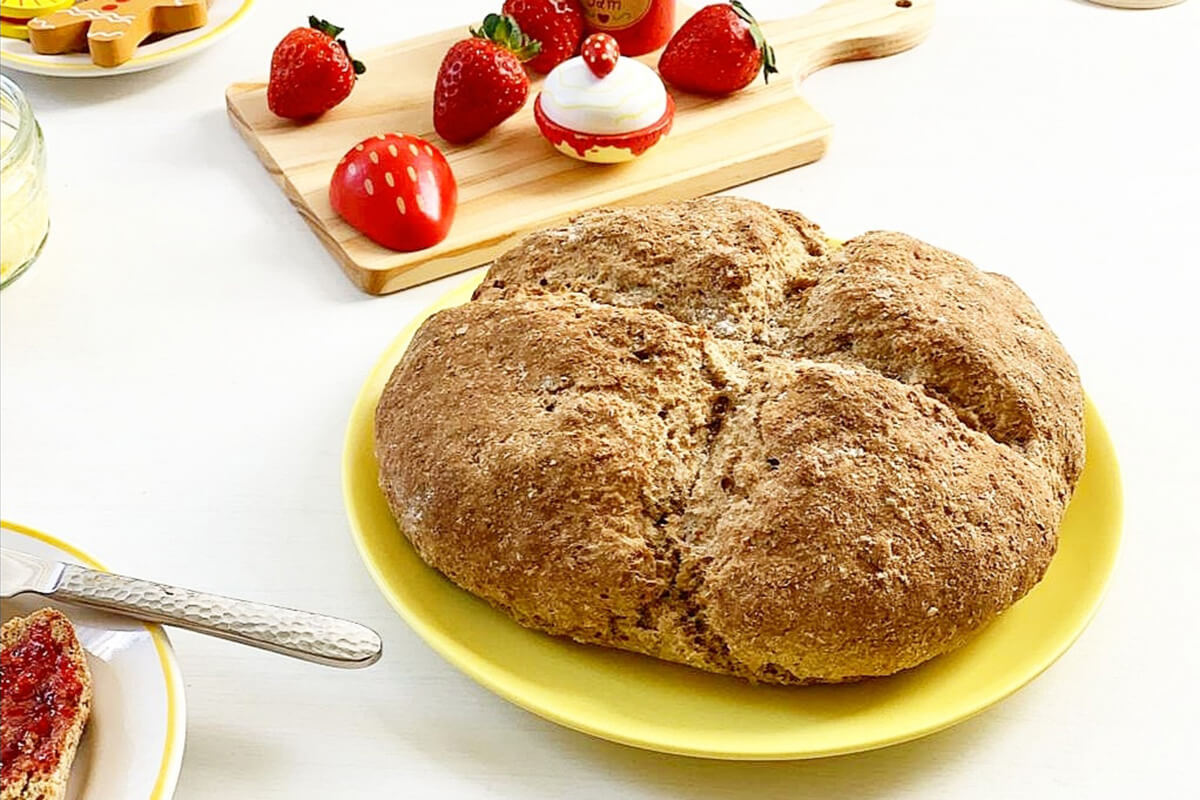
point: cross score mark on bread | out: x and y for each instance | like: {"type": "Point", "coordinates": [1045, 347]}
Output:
{"type": "Point", "coordinates": [46, 701]}
{"type": "Point", "coordinates": [111, 30]}
{"type": "Point", "coordinates": [703, 432]}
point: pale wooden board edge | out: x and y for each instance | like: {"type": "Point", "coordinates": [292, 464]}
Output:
{"type": "Point", "coordinates": [384, 280]}
{"type": "Point", "coordinates": [358, 275]}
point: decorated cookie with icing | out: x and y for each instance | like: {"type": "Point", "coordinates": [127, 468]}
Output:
{"type": "Point", "coordinates": [601, 107]}
{"type": "Point", "coordinates": [111, 30]}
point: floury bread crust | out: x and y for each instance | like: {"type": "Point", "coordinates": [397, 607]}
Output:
{"type": "Point", "coordinates": [702, 432]}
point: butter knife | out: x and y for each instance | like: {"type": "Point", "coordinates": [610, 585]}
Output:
{"type": "Point", "coordinates": [299, 634]}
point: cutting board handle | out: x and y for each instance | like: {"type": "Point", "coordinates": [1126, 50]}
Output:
{"type": "Point", "coordinates": [847, 30]}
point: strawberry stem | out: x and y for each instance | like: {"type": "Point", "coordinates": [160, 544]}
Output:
{"type": "Point", "coordinates": [332, 31]}
{"type": "Point", "coordinates": [504, 31]}
{"type": "Point", "coordinates": [760, 41]}
{"type": "Point", "coordinates": [327, 28]}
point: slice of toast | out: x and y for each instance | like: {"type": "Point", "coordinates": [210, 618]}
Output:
{"type": "Point", "coordinates": [46, 701]}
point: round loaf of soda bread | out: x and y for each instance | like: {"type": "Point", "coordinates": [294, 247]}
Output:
{"type": "Point", "coordinates": [704, 432]}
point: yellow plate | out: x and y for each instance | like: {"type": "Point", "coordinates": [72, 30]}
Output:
{"type": "Point", "coordinates": [653, 704]}
{"type": "Point", "coordinates": [14, 30]}
{"type": "Point", "coordinates": [28, 9]}
{"type": "Point", "coordinates": [17, 54]}
{"type": "Point", "coordinates": [14, 14]}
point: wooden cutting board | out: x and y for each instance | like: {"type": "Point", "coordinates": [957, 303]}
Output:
{"type": "Point", "coordinates": [512, 181]}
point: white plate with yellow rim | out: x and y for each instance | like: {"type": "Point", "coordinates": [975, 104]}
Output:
{"type": "Point", "coordinates": [16, 54]}
{"type": "Point", "coordinates": [133, 744]}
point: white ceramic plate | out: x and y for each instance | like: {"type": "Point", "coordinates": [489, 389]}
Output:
{"type": "Point", "coordinates": [133, 743]}
{"type": "Point", "coordinates": [222, 16]}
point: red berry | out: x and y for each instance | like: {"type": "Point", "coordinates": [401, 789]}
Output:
{"type": "Point", "coordinates": [600, 52]}
{"type": "Point", "coordinates": [311, 71]}
{"type": "Point", "coordinates": [481, 81]}
{"type": "Point", "coordinates": [397, 189]}
{"type": "Point", "coordinates": [719, 50]}
{"type": "Point", "coordinates": [557, 24]}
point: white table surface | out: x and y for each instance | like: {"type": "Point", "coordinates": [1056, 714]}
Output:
{"type": "Point", "coordinates": [178, 367]}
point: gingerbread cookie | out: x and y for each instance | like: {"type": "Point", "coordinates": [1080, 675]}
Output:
{"type": "Point", "coordinates": [111, 30]}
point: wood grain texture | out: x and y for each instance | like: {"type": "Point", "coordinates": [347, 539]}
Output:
{"type": "Point", "coordinates": [512, 181]}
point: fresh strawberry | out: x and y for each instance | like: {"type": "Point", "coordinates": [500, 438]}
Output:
{"type": "Point", "coordinates": [600, 52]}
{"type": "Point", "coordinates": [311, 71]}
{"type": "Point", "coordinates": [557, 24]}
{"type": "Point", "coordinates": [481, 81]}
{"type": "Point", "coordinates": [718, 50]}
{"type": "Point", "coordinates": [397, 189]}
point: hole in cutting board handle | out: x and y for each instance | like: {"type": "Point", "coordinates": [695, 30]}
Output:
{"type": "Point", "coordinates": [904, 3]}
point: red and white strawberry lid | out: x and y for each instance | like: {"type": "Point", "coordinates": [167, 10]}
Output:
{"type": "Point", "coordinates": [602, 92]}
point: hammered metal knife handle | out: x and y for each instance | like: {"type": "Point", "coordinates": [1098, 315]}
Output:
{"type": "Point", "coordinates": [300, 634]}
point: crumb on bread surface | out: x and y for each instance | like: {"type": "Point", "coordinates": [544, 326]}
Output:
{"type": "Point", "coordinates": [703, 432]}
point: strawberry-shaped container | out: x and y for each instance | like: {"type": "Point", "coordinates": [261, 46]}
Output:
{"type": "Point", "coordinates": [601, 107]}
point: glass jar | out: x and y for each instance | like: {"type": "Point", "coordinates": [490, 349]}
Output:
{"type": "Point", "coordinates": [639, 26]}
{"type": "Point", "coordinates": [24, 207]}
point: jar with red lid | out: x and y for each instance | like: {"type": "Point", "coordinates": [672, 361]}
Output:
{"type": "Point", "coordinates": [639, 26]}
